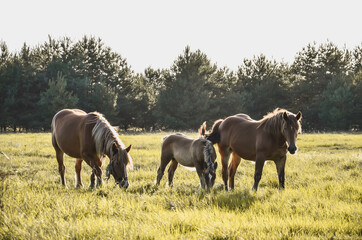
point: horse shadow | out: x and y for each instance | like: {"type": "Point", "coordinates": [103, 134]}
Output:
{"type": "Point", "coordinates": [235, 200]}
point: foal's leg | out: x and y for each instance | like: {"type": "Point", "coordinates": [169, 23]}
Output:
{"type": "Point", "coordinates": [161, 169]}
{"type": "Point", "coordinates": [259, 164]}
{"type": "Point", "coordinates": [280, 164]}
{"type": "Point", "coordinates": [225, 154]}
{"type": "Point", "coordinates": [78, 169]}
{"type": "Point", "coordinates": [232, 169]}
{"type": "Point", "coordinates": [171, 171]}
{"type": "Point", "coordinates": [200, 172]}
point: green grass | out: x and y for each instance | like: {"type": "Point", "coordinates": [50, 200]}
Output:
{"type": "Point", "coordinates": [322, 199]}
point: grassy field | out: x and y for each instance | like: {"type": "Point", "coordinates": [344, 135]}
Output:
{"type": "Point", "coordinates": [322, 199]}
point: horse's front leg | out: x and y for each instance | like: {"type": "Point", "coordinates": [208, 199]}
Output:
{"type": "Point", "coordinates": [200, 173]}
{"type": "Point", "coordinates": [280, 164]}
{"type": "Point", "coordinates": [95, 164]}
{"type": "Point", "coordinates": [259, 164]}
{"type": "Point", "coordinates": [96, 174]}
{"type": "Point", "coordinates": [92, 180]}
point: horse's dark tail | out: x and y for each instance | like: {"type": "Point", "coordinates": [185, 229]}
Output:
{"type": "Point", "coordinates": [214, 135]}
{"type": "Point", "coordinates": [208, 151]}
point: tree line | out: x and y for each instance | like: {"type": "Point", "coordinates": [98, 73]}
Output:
{"type": "Point", "coordinates": [324, 82]}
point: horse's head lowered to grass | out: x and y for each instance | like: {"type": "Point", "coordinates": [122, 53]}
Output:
{"type": "Point", "coordinates": [117, 167]}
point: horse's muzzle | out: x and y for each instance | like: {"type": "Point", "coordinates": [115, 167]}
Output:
{"type": "Point", "coordinates": [292, 149]}
{"type": "Point", "coordinates": [123, 183]}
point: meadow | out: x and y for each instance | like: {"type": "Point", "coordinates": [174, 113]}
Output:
{"type": "Point", "coordinates": [322, 199]}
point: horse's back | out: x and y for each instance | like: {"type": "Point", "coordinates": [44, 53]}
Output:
{"type": "Point", "coordinates": [67, 127]}
{"type": "Point", "coordinates": [182, 148]}
{"type": "Point", "coordinates": [244, 116]}
{"type": "Point", "coordinates": [238, 122]}
{"type": "Point", "coordinates": [67, 120]}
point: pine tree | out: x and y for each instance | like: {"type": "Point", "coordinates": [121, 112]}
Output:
{"type": "Point", "coordinates": [53, 100]}
{"type": "Point", "coordinates": [184, 103]}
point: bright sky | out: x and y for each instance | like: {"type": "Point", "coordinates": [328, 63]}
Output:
{"type": "Point", "coordinates": [154, 32]}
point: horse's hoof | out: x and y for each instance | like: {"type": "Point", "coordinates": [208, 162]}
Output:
{"type": "Point", "coordinates": [155, 183]}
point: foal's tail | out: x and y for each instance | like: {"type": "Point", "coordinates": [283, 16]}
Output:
{"type": "Point", "coordinates": [214, 135]}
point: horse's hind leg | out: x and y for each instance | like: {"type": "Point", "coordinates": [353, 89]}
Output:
{"type": "Point", "coordinates": [225, 154]}
{"type": "Point", "coordinates": [78, 169]}
{"type": "Point", "coordinates": [171, 171]}
{"type": "Point", "coordinates": [61, 166]}
{"type": "Point", "coordinates": [232, 169]}
{"type": "Point", "coordinates": [161, 169]}
{"type": "Point", "coordinates": [60, 158]}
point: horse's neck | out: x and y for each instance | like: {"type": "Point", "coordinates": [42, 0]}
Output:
{"type": "Point", "coordinates": [281, 140]}
{"type": "Point", "coordinates": [278, 138]}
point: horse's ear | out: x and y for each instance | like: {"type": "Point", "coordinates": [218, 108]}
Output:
{"type": "Point", "coordinates": [202, 129]}
{"type": "Point", "coordinates": [128, 148]}
{"type": "Point", "coordinates": [114, 148]}
{"type": "Point", "coordinates": [299, 116]}
{"type": "Point", "coordinates": [285, 115]}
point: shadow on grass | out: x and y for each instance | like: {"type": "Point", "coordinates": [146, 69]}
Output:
{"type": "Point", "coordinates": [5, 174]}
{"type": "Point", "coordinates": [148, 188]}
{"type": "Point", "coordinates": [233, 200]}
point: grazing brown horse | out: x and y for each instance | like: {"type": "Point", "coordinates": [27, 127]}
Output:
{"type": "Point", "coordinates": [89, 137]}
{"type": "Point", "coordinates": [266, 139]}
{"type": "Point", "coordinates": [199, 153]}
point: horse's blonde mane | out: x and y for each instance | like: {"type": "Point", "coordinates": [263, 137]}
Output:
{"type": "Point", "coordinates": [104, 135]}
{"type": "Point", "coordinates": [273, 121]}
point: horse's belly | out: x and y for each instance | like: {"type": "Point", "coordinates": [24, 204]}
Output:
{"type": "Point", "coordinates": [71, 149]}
{"type": "Point", "coordinates": [246, 155]}
{"type": "Point", "coordinates": [183, 159]}
{"type": "Point", "coordinates": [245, 151]}
{"type": "Point", "coordinates": [69, 143]}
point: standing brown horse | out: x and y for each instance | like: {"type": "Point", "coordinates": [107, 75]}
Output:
{"type": "Point", "coordinates": [199, 153]}
{"type": "Point", "coordinates": [89, 137]}
{"type": "Point", "coordinates": [266, 139]}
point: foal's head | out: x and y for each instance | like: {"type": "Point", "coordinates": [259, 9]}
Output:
{"type": "Point", "coordinates": [210, 175]}
{"type": "Point", "coordinates": [118, 164]}
{"type": "Point", "coordinates": [290, 128]}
